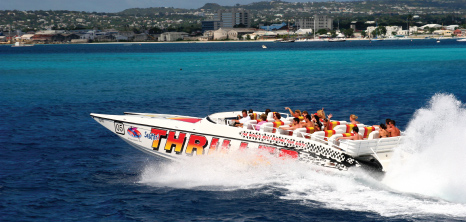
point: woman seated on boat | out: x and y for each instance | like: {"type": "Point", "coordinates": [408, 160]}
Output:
{"type": "Point", "coordinates": [295, 125]}
{"type": "Point", "coordinates": [296, 114]}
{"type": "Point", "coordinates": [317, 124]}
{"type": "Point", "coordinates": [383, 133]}
{"type": "Point", "coordinates": [353, 119]}
{"type": "Point", "coordinates": [355, 136]}
{"type": "Point", "coordinates": [263, 119]}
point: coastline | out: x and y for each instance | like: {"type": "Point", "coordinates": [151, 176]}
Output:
{"type": "Point", "coordinates": [246, 41]}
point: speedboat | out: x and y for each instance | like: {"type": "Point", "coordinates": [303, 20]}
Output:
{"type": "Point", "coordinates": [461, 40]}
{"type": "Point", "coordinates": [177, 137]}
{"type": "Point", "coordinates": [264, 46]}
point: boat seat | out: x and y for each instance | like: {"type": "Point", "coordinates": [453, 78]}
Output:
{"type": "Point", "coordinates": [365, 147]}
{"type": "Point", "coordinates": [347, 128]}
{"type": "Point", "coordinates": [250, 124]}
{"type": "Point", "coordinates": [270, 127]}
{"type": "Point", "coordinates": [373, 135]}
{"type": "Point", "coordinates": [331, 140]}
{"type": "Point", "coordinates": [366, 131]}
{"type": "Point", "coordinates": [266, 127]}
{"type": "Point", "coordinates": [303, 132]}
{"type": "Point", "coordinates": [333, 124]}
{"type": "Point", "coordinates": [322, 136]}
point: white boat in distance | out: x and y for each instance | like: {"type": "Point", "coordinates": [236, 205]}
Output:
{"type": "Point", "coordinates": [337, 40]}
{"type": "Point", "coordinates": [461, 40]}
{"type": "Point", "coordinates": [264, 47]}
{"type": "Point", "coordinates": [20, 44]}
{"type": "Point", "coordinates": [176, 137]}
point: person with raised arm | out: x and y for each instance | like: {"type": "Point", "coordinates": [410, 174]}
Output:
{"type": "Point", "coordinates": [296, 113]}
{"type": "Point", "coordinates": [327, 122]}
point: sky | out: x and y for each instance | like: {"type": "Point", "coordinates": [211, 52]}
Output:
{"type": "Point", "coordinates": [114, 5]}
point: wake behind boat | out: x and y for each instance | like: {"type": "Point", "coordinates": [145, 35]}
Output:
{"type": "Point", "coordinates": [177, 137]}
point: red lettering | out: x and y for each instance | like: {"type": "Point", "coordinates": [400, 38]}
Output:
{"type": "Point", "coordinates": [173, 142]}
{"type": "Point", "coordinates": [269, 149]}
{"type": "Point", "coordinates": [213, 145]}
{"type": "Point", "coordinates": [225, 145]}
{"type": "Point", "coordinates": [198, 143]}
{"type": "Point", "coordinates": [288, 154]}
{"type": "Point", "coordinates": [243, 146]}
{"type": "Point", "coordinates": [159, 135]}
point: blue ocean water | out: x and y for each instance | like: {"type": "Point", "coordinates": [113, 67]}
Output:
{"type": "Point", "coordinates": [58, 163]}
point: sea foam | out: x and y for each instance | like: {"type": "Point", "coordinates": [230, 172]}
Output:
{"type": "Point", "coordinates": [436, 143]}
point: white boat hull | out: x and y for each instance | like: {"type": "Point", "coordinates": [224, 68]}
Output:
{"type": "Point", "coordinates": [178, 137]}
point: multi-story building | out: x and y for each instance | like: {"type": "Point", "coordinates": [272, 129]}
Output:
{"type": "Point", "coordinates": [211, 25]}
{"type": "Point", "coordinates": [233, 18]}
{"type": "Point", "coordinates": [321, 22]}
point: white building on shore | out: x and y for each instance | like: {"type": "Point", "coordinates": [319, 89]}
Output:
{"type": "Point", "coordinates": [172, 36]}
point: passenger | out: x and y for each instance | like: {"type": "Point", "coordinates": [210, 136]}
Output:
{"type": "Point", "coordinates": [353, 119]}
{"type": "Point", "coordinates": [263, 119]}
{"type": "Point", "coordinates": [356, 135]}
{"type": "Point", "coordinates": [327, 122]}
{"type": "Point", "coordinates": [251, 115]}
{"type": "Point", "coordinates": [383, 133]}
{"type": "Point", "coordinates": [393, 130]}
{"type": "Point", "coordinates": [296, 114]}
{"type": "Point", "coordinates": [307, 121]}
{"type": "Point", "coordinates": [295, 125]}
{"type": "Point", "coordinates": [277, 117]}
{"type": "Point", "coordinates": [305, 113]}
{"type": "Point", "coordinates": [267, 111]}
{"type": "Point", "coordinates": [321, 114]}
{"type": "Point", "coordinates": [242, 119]}
{"type": "Point", "coordinates": [317, 124]}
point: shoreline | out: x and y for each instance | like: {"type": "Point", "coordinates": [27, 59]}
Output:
{"type": "Point", "coordinates": [240, 41]}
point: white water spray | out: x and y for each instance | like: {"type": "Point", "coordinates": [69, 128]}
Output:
{"type": "Point", "coordinates": [436, 139]}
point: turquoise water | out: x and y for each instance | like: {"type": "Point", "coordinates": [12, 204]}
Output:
{"type": "Point", "coordinates": [54, 156]}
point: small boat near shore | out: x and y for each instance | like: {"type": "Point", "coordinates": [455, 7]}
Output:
{"type": "Point", "coordinates": [177, 137]}
{"type": "Point", "coordinates": [337, 40]}
{"type": "Point", "coordinates": [20, 44]}
{"type": "Point", "coordinates": [461, 40]}
{"type": "Point", "coordinates": [264, 46]}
